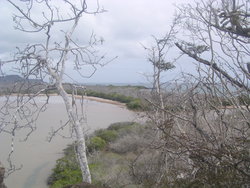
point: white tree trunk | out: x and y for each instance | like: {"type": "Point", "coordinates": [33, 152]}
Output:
{"type": "Point", "coordinates": [78, 130]}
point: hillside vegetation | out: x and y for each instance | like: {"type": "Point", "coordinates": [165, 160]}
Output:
{"type": "Point", "coordinates": [109, 149]}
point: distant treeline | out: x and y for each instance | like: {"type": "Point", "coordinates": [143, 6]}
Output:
{"type": "Point", "coordinates": [131, 102]}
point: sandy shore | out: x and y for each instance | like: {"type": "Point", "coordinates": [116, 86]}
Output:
{"type": "Point", "coordinates": [97, 99]}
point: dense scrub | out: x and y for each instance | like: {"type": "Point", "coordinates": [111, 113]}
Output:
{"type": "Point", "coordinates": [102, 156]}
{"type": "Point", "coordinates": [129, 155]}
{"type": "Point", "coordinates": [67, 170]}
{"type": "Point", "coordinates": [132, 103]}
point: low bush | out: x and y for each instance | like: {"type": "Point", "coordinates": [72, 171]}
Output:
{"type": "Point", "coordinates": [96, 143]}
{"type": "Point", "coordinates": [134, 104]}
{"type": "Point", "coordinates": [120, 125]}
{"type": "Point", "coordinates": [126, 144]}
{"type": "Point", "coordinates": [244, 99]}
{"type": "Point", "coordinates": [117, 146]}
{"type": "Point", "coordinates": [108, 168]}
{"type": "Point", "coordinates": [66, 171]}
{"type": "Point", "coordinates": [106, 135]}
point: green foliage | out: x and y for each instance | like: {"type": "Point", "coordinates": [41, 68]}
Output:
{"type": "Point", "coordinates": [120, 125]}
{"type": "Point", "coordinates": [226, 102]}
{"type": "Point", "coordinates": [124, 128]}
{"type": "Point", "coordinates": [244, 99]}
{"type": "Point", "coordinates": [96, 143]}
{"type": "Point", "coordinates": [66, 176]}
{"type": "Point", "coordinates": [128, 86]}
{"type": "Point", "coordinates": [106, 135]}
{"type": "Point", "coordinates": [132, 103]}
{"type": "Point", "coordinates": [111, 96]}
{"type": "Point", "coordinates": [135, 104]}
{"type": "Point", "coordinates": [136, 87]}
{"type": "Point", "coordinates": [79, 92]}
{"type": "Point", "coordinates": [66, 171]}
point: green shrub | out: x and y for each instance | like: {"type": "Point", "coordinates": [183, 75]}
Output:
{"type": "Point", "coordinates": [124, 128]}
{"type": "Point", "coordinates": [66, 176]}
{"type": "Point", "coordinates": [244, 99]}
{"type": "Point", "coordinates": [106, 135]}
{"type": "Point", "coordinates": [66, 171]}
{"type": "Point", "coordinates": [120, 125]}
{"type": "Point", "coordinates": [96, 143]}
{"type": "Point", "coordinates": [226, 102]}
{"type": "Point", "coordinates": [135, 104]}
{"type": "Point", "coordinates": [132, 103]}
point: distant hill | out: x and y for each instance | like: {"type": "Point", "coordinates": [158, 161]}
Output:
{"type": "Point", "coordinates": [17, 84]}
{"type": "Point", "coordinates": [10, 78]}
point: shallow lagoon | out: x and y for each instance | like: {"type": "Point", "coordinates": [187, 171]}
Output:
{"type": "Point", "coordinates": [37, 156]}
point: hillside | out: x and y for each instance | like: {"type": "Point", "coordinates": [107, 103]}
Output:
{"type": "Point", "coordinates": [17, 84]}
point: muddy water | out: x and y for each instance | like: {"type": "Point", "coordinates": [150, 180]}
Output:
{"type": "Point", "coordinates": [37, 156]}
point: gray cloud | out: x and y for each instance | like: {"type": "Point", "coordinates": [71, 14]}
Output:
{"type": "Point", "coordinates": [125, 26]}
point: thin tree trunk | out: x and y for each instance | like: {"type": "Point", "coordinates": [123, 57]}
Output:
{"type": "Point", "coordinates": [78, 130]}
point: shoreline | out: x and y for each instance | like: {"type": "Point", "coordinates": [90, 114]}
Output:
{"type": "Point", "coordinates": [43, 151]}
{"type": "Point", "coordinates": [97, 99]}
{"type": "Point", "coordinates": [108, 101]}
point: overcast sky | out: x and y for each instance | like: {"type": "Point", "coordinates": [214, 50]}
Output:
{"type": "Point", "coordinates": [125, 26]}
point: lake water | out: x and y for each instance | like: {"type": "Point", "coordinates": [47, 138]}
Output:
{"type": "Point", "coordinates": [37, 156]}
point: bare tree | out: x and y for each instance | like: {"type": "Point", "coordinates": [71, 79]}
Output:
{"type": "Point", "coordinates": [158, 56]}
{"type": "Point", "coordinates": [47, 60]}
{"type": "Point", "coordinates": [204, 119]}
{"type": "Point", "coordinates": [153, 173]}
{"type": "Point", "coordinates": [219, 38]}
{"type": "Point", "coordinates": [214, 107]}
